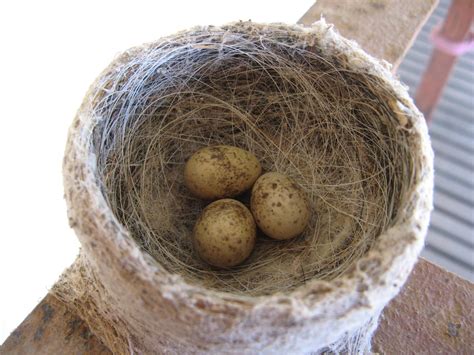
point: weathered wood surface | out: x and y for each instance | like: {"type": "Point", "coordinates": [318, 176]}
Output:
{"type": "Point", "coordinates": [434, 313]}
{"type": "Point", "coordinates": [52, 329]}
{"type": "Point", "coordinates": [384, 28]}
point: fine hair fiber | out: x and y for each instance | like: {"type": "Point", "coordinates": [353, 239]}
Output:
{"type": "Point", "coordinates": [308, 103]}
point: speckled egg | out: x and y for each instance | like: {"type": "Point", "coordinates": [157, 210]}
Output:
{"type": "Point", "coordinates": [221, 171]}
{"type": "Point", "coordinates": [279, 206]}
{"type": "Point", "coordinates": [224, 235]}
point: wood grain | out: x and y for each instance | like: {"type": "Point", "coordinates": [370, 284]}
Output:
{"type": "Point", "coordinates": [383, 28]}
{"type": "Point", "coordinates": [52, 329]}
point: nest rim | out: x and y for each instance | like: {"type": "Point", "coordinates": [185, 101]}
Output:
{"type": "Point", "coordinates": [117, 240]}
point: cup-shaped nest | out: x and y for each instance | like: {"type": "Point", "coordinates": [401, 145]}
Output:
{"type": "Point", "coordinates": [308, 103]}
{"type": "Point", "coordinates": [342, 132]}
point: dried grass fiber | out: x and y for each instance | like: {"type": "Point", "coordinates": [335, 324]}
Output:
{"type": "Point", "coordinates": [307, 103]}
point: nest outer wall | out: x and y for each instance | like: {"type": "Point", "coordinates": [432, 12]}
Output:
{"type": "Point", "coordinates": [140, 287]}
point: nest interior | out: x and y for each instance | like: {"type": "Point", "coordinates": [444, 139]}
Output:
{"type": "Point", "coordinates": [301, 111]}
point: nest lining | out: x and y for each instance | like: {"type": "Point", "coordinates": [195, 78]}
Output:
{"type": "Point", "coordinates": [301, 111]}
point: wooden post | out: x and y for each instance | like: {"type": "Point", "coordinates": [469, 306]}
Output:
{"type": "Point", "coordinates": [454, 29]}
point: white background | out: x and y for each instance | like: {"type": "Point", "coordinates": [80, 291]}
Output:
{"type": "Point", "coordinates": [50, 53]}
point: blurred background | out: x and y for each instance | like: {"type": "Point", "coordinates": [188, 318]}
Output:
{"type": "Point", "coordinates": [451, 234]}
{"type": "Point", "coordinates": [53, 50]}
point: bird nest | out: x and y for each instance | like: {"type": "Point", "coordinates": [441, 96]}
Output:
{"type": "Point", "coordinates": [311, 113]}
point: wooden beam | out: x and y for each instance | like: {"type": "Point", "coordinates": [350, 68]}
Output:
{"type": "Point", "coordinates": [433, 313]}
{"type": "Point", "coordinates": [52, 329]}
{"type": "Point", "coordinates": [385, 29]}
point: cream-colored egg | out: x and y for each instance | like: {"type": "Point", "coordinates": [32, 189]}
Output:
{"type": "Point", "coordinates": [279, 206]}
{"type": "Point", "coordinates": [224, 234]}
{"type": "Point", "coordinates": [221, 171]}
